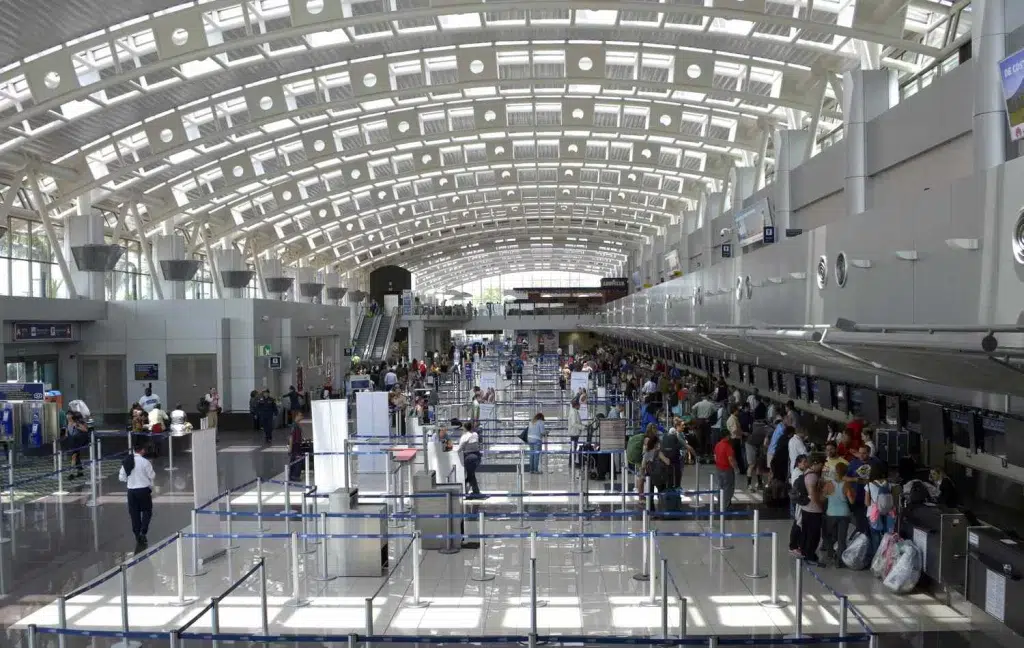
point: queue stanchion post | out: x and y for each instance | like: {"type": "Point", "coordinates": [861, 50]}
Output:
{"type": "Point", "coordinates": [215, 620]}
{"type": "Point", "coordinates": [259, 506]}
{"type": "Point", "coordinates": [721, 546]}
{"type": "Point", "coordinates": [197, 568]}
{"type": "Point", "coordinates": [581, 546]}
{"type": "Point", "coordinates": [533, 600]}
{"type": "Point", "coordinates": [59, 458]}
{"type": "Point", "coordinates": [648, 494]}
{"type": "Point", "coordinates": [124, 643]}
{"type": "Point", "coordinates": [695, 502]}
{"type": "Point", "coordinates": [798, 600]}
{"type": "Point", "coordinates": [62, 618]}
{"type": "Point", "coordinates": [585, 489]}
{"type": "Point", "coordinates": [264, 615]}
{"type": "Point", "coordinates": [449, 541]}
{"type": "Point", "coordinates": [774, 601]}
{"type": "Point", "coordinates": [170, 453]}
{"type": "Point", "coordinates": [682, 617]}
{"type": "Point", "coordinates": [844, 610]}
{"type": "Point", "coordinates": [10, 481]}
{"type": "Point", "coordinates": [482, 574]}
{"type": "Point", "coordinates": [711, 504]}
{"type": "Point", "coordinates": [307, 547]}
{"type": "Point", "coordinates": [93, 470]}
{"type": "Point", "coordinates": [625, 475]}
{"type": "Point", "coordinates": [229, 514]}
{"type": "Point", "coordinates": [287, 505]}
{"type": "Point", "coordinates": [368, 609]}
{"type": "Point", "coordinates": [712, 642]}
{"type": "Point", "coordinates": [664, 598]}
{"type": "Point", "coordinates": [652, 596]}
{"type": "Point", "coordinates": [417, 556]}
{"type": "Point", "coordinates": [323, 576]}
{"type": "Point", "coordinates": [755, 558]}
{"type": "Point", "coordinates": [179, 551]}
{"type": "Point", "coordinates": [306, 471]}
{"type": "Point", "coordinates": [32, 635]}
{"type": "Point", "coordinates": [296, 600]}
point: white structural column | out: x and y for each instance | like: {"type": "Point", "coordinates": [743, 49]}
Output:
{"type": "Point", "coordinates": [169, 247]}
{"type": "Point", "coordinates": [84, 228]}
{"type": "Point", "coordinates": [988, 40]}
{"type": "Point", "coordinates": [790, 148]}
{"type": "Point", "coordinates": [712, 210]}
{"type": "Point", "coordinates": [657, 263]}
{"type": "Point", "coordinates": [744, 184]}
{"type": "Point", "coordinates": [417, 339]}
{"type": "Point", "coordinates": [867, 94]}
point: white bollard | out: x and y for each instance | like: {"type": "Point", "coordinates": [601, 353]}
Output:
{"type": "Point", "coordinates": [179, 550]}
{"type": "Point", "coordinates": [296, 600]}
{"type": "Point", "coordinates": [755, 560]}
{"type": "Point", "coordinates": [774, 601]}
{"type": "Point", "coordinates": [417, 556]}
{"type": "Point", "coordinates": [170, 453]}
{"type": "Point", "coordinates": [260, 527]}
{"type": "Point", "coordinates": [482, 574]}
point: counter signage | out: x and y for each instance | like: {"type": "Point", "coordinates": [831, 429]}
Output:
{"type": "Point", "coordinates": [1011, 71]}
{"type": "Point", "coordinates": [48, 331]}
{"type": "Point", "coordinates": [22, 391]}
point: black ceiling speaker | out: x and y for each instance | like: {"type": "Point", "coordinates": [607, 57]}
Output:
{"type": "Point", "coordinates": [236, 279]}
{"type": "Point", "coordinates": [336, 293]}
{"type": "Point", "coordinates": [179, 269]}
{"type": "Point", "coordinates": [311, 290]}
{"type": "Point", "coordinates": [97, 257]}
{"type": "Point", "coordinates": [278, 285]}
{"type": "Point", "coordinates": [844, 324]}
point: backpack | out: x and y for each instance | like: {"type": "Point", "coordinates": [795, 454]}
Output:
{"type": "Point", "coordinates": [203, 406]}
{"type": "Point", "coordinates": [635, 449]}
{"type": "Point", "coordinates": [671, 446]}
{"type": "Point", "coordinates": [798, 494]}
{"type": "Point", "coordinates": [884, 501]}
{"type": "Point", "coordinates": [660, 472]}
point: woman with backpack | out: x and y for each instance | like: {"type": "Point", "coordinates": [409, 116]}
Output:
{"type": "Point", "coordinates": [656, 465]}
{"type": "Point", "coordinates": [881, 506]}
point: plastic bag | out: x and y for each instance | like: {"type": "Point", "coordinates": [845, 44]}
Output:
{"type": "Point", "coordinates": [906, 569]}
{"type": "Point", "coordinates": [858, 552]}
{"type": "Point", "coordinates": [885, 555]}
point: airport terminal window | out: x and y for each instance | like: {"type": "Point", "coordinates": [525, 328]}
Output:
{"type": "Point", "coordinates": [128, 281]}
{"type": "Point", "coordinates": [26, 262]}
{"type": "Point", "coordinates": [201, 286]}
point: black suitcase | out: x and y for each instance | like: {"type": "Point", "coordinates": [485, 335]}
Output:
{"type": "Point", "coordinates": [776, 495]}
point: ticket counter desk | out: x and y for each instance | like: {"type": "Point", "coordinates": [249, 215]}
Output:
{"type": "Point", "coordinates": [995, 565]}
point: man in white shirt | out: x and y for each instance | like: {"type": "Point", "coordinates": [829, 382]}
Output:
{"type": "Point", "coordinates": [797, 447]}
{"type": "Point", "coordinates": [149, 400]}
{"type": "Point", "coordinates": [390, 379]}
{"type": "Point", "coordinates": [752, 400]}
{"type": "Point", "coordinates": [137, 473]}
{"type": "Point", "coordinates": [157, 419]}
{"type": "Point", "coordinates": [650, 386]}
{"type": "Point", "coordinates": [704, 408]}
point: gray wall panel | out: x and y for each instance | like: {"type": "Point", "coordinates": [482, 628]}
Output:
{"type": "Point", "coordinates": [820, 176]}
{"type": "Point", "coordinates": [906, 182]}
{"type": "Point", "coordinates": [820, 212]}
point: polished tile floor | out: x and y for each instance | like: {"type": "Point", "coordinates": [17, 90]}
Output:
{"type": "Point", "coordinates": [59, 546]}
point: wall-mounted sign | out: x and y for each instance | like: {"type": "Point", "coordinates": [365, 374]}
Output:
{"type": "Point", "coordinates": [1011, 71]}
{"type": "Point", "coordinates": [22, 392]}
{"type": "Point", "coordinates": [769, 233]}
{"type": "Point", "coordinates": [147, 371]}
{"type": "Point", "coordinates": [274, 361]}
{"type": "Point", "coordinates": [48, 331]}
{"type": "Point", "coordinates": [349, 351]}
{"type": "Point", "coordinates": [726, 250]}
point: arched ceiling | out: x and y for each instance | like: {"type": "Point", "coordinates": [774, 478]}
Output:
{"type": "Point", "coordinates": [347, 134]}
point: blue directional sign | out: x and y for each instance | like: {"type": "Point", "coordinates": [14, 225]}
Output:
{"type": "Point", "coordinates": [22, 392]}
{"type": "Point", "coordinates": [769, 233]}
{"type": "Point", "coordinates": [726, 250]}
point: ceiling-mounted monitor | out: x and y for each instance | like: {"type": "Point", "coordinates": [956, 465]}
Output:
{"type": "Point", "coordinates": [864, 404]}
{"type": "Point", "coordinates": [842, 401]}
{"type": "Point", "coordinates": [932, 422]}
{"type": "Point", "coordinates": [824, 394]}
{"type": "Point", "coordinates": [751, 221]}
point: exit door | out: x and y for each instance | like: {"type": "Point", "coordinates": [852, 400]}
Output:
{"type": "Point", "coordinates": [189, 377]}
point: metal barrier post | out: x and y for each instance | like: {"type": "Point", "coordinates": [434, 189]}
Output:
{"type": "Point", "coordinates": [368, 606]}
{"type": "Point", "coordinates": [625, 482]}
{"type": "Point", "coordinates": [682, 617]}
{"type": "Point", "coordinates": [124, 601]}
{"type": "Point", "coordinates": [32, 636]}
{"type": "Point", "coordinates": [287, 504]}
{"type": "Point", "coordinates": [323, 576]}
{"type": "Point", "coordinates": [179, 550]}
{"type": "Point", "coordinates": [91, 502]}
{"type": "Point", "coordinates": [259, 505]}
{"type": "Point", "coordinates": [62, 618]}
{"type": "Point", "coordinates": [664, 598]}
{"type": "Point", "coordinates": [305, 471]}
{"type": "Point", "coordinates": [798, 600]}
{"type": "Point", "coordinates": [170, 453]}
{"type": "Point", "coordinates": [10, 480]}
{"type": "Point", "coordinates": [695, 503]}
{"type": "Point", "coordinates": [533, 599]}
{"type": "Point", "coordinates": [755, 567]}
{"type": "Point", "coordinates": [417, 556]}
{"type": "Point", "coordinates": [296, 600]}
{"type": "Point", "coordinates": [482, 567]}
{"type": "Point", "coordinates": [721, 522]}
{"type": "Point", "coordinates": [774, 601]}
{"type": "Point", "coordinates": [648, 494]}
{"type": "Point", "coordinates": [652, 597]}
{"type": "Point", "coordinates": [449, 541]}
{"type": "Point", "coordinates": [712, 642]}
{"type": "Point", "coordinates": [645, 569]}
{"type": "Point", "coordinates": [872, 641]}
{"type": "Point", "coordinates": [230, 523]}
{"type": "Point", "coordinates": [844, 608]}
{"type": "Point", "coordinates": [264, 616]}
{"type": "Point", "coordinates": [711, 505]}
{"type": "Point", "coordinates": [304, 511]}
{"type": "Point", "coordinates": [173, 638]}
{"type": "Point", "coordinates": [196, 569]}
{"type": "Point", "coordinates": [581, 547]}
{"type": "Point", "coordinates": [59, 456]}
{"type": "Point", "coordinates": [215, 619]}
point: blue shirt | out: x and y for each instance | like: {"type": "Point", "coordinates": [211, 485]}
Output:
{"type": "Point", "coordinates": [535, 433]}
{"type": "Point", "coordinates": [861, 470]}
{"type": "Point", "coordinates": [780, 429]}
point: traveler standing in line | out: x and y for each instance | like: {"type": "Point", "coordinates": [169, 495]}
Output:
{"type": "Point", "coordinates": [157, 418]}
{"type": "Point", "coordinates": [149, 400]}
{"type": "Point", "coordinates": [797, 446]}
{"type": "Point", "coordinates": [811, 512]}
{"type": "Point", "coordinates": [535, 434]}
{"type": "Point", "coordinates": [294, 403]}
{"type": "Point", "coordinates": [575, 423]}
{"type": "Point", "coordinates": [796, 482]}
{"type": "Point", "coordinates": [725, 465]}
{"type": "Point", "coordinates": [469, 450]}
{"type": "Point", "coordinates": [213, 403]}
{"type": "Point", "coordinates": [777, 435]}
{"type": "Point", "coordinates": [838, 497]}
{"type": "Point", "coordinates": [254, 401]}
{"type": "Point", "coordinates": [137, 473]}
{"type": "Point", "coordinates": [881, 506]}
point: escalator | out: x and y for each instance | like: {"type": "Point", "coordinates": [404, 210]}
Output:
{"type": "Point", "coordinates": [365, 334]}
{"type": "Point", "coordinates": [385, 333]}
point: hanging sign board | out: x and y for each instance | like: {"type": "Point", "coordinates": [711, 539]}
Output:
{"type": "Point", "coordinates": [769, 233]}
{"type": "Point", "coordinates": [43, 331]}
{"type": "Point", "coordinates": [1011, 71]}
{"type": "Point", "coordinates": [147, 371]}
{"type": "Point", "coordinates": [22, 392]}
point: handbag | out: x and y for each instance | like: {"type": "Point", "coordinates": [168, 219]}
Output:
{"type": "Point", "coordinates": [524, 435]}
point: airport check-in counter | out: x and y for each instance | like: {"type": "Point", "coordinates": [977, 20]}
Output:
{"type": "Point", "coordinates": [941, 534]}
{"type": "Point", "coordinates": [426, 482]}
{"type": "Point", "coordinates": [357, 556]}
{"type": "Point", "coordinates": [995, 564]}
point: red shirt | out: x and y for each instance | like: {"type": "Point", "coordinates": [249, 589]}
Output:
{"type": "Point", "coordinates": [724, 452]}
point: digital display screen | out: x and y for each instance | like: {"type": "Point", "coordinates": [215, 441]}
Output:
{"type": "Point", "coordinates": [864, 404]}
{"type": "Point", "coordinates": [750, 222]}
{"type": "Point", "coordinates": [842, 403]}
{"type": "Point", "coordinates": [801, 388]}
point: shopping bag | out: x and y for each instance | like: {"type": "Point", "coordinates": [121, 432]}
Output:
{"type": "Point", "coordinates": [906, 569]}
{"type": "Point", "coordinates": [882, 562]}
{"type": "Point", "coordinates": [524, 435]}
{"type": "Point", "coordinates": [858, 552]}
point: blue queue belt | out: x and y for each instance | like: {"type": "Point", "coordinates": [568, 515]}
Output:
{"type": "Point", "coordinates": [594, 515]}
{"type": "Point", "coordinates": [473, 536]}
{"type": "Point", "coordinates": [53, 473]}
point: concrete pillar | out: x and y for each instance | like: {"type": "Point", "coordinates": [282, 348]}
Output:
{"type": "Point", "coordinates": [866, 95]}
{"type": "Point", "coordinates": [234, 274]}
{"type": "Point", "coordinates": [85, 228]}
{"type": "Point", "coordinates": [417, 339]}
{"type": "Point", "coordinates": [168, 253]}
{"type": "Point", "coordinates": [744, 182]}
{"type": "Point", "coordinates": [988, 46]}
{"type": "Point", "coordinates": [790, 148]}
{"type": "Point", "coordinates": [712, 210]}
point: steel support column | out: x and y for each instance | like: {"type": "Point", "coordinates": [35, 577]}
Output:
{"type": "Point", "coordinates": [51, 235]}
